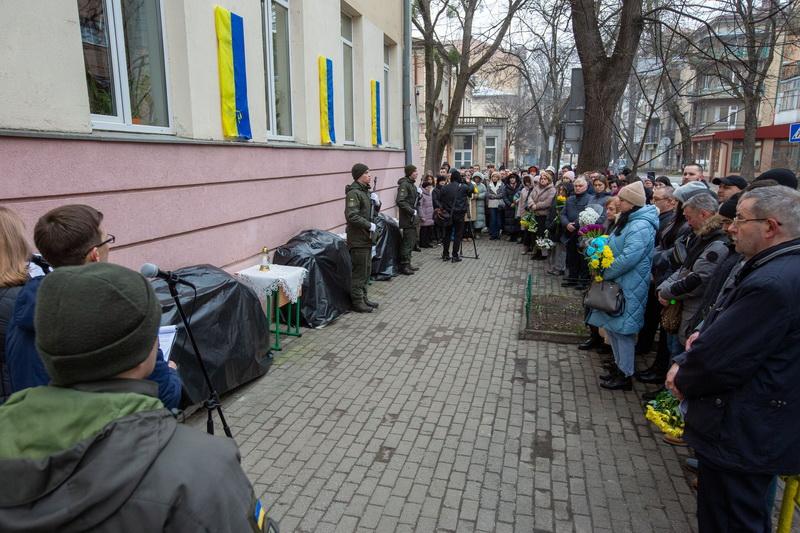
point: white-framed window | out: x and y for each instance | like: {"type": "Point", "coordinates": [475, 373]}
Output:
{"type": "Point", "coordinates": [347, 77]}
{"type": "Point", "coordinates": [789, 95]}
{"type": "Point", "coordinates": [490, 154]}
{"type": "Point", "coordinates": [385, 94]}
{"type": "Point", "coordinates": [733, 112]}
{"type": "Point", "coordinates": [462, 156]}
{"type": "Point", "coordinates": [277, 61]}
{"type": "Point", "coordinates": [125, 60]}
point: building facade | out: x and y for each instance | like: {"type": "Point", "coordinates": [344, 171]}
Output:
{"type": "Point", "coordinates": [119, 105]}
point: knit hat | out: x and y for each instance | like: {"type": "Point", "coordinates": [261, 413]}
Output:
{"type": "Point", "coordinates": [728, 207]}
{"type": "Point", "coordinates": [409, 169]}
{"type": "Point", "coordinates": [94, 322]}
{"type": "Point", "coordinates": [684, 192]}
{"type": "Point", "coordinates": [358, 170]}
{"type": "Point", "coordinates": [783, 176]}
{"type": "Point", "coordinates": [633, 193]}
{"type": "Point", "coordinates": [455, 175]}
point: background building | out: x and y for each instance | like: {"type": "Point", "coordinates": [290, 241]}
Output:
{"type": "Point", "coordinates": [117, 105]}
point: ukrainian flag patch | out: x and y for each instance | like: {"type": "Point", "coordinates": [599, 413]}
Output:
{"type": "Point", "coordinates": [259, 515]}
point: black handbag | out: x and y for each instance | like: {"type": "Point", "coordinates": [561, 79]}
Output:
{"type": "Point", "coordinates": [605, 296]}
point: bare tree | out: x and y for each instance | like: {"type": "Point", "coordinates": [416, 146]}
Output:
{"type": "Point", "coordinates": [605, 75]}
{"type": "Point", "coordinates": [465, 54]}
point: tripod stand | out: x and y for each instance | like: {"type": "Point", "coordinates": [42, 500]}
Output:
{"type": "Point", "coordinates": [212, 403]}
{"type": "Point", "coordinates": [469, 232]}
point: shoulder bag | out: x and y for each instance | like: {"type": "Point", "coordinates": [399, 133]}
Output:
{"type": "Point", "coordinates": [605, 296]}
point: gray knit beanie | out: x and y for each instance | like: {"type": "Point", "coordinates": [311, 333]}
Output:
{"type": "Point", "coordinates": [94, 322]}
{"type": "Point", "coordinates": [358, 170]}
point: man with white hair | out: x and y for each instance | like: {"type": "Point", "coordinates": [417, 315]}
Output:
{"type": "Point", "coordinates": [739, 377]}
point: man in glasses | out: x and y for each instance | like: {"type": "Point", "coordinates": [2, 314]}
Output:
{"type": "Point", "coordinates": [70, 235]}
{"type": "Point", "coordinates": [739, 375]}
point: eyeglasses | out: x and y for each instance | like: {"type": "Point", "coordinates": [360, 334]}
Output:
{"type": "Point", "coordinates": [110, 239]}
{"type": "Point", "coordinates": [738, 220]}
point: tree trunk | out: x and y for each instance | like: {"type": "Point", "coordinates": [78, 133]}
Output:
{"type": "Point", "coordinates": [686, 132]}
{"type": "Point", "coordinates": [749, 143]}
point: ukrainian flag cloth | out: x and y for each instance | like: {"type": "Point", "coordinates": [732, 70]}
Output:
{"type": "Point", "coordinates": [259, 515]}
{"type": "Point", "coordinates": [326, 129]}
{"type": "Point", "coordinates": [375, 93]}
{"type": "Point", "coordinates": [232, 74]}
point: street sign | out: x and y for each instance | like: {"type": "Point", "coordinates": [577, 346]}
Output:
{"type": "Point", "coordinates": [794, 133]}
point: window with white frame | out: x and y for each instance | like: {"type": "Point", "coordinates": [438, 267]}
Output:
{"type": "Point", "coordinates": [462, 156]}
{"type": "Point", "coordinates": [277, 60]}
{"type": "Point", "coordinates": [789, 95]}
{"type": "Point", "coordinates": [124, 57]}
{"type": "Point", "coordinates": [733, 112]}
{"type": "Point", "coordinates": [385, 95]}
{"type": "Point", "coordinates": [347, 76]}
{"type": "Point", "coordinates": [490, 154]}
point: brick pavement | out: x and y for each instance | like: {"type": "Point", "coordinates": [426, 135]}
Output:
{"type": "Point", "coordinates": [431, 415]}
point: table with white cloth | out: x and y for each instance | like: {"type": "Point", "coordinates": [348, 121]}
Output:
{"type": "Point", "coordinates": [280, 286]}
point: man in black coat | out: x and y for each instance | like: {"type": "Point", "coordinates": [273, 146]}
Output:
{"type": "Point", "coordinates": [739, 376]}
{"type": "Point", "coordinates": [454, 201]}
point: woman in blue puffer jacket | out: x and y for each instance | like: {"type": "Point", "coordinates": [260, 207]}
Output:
{"type": "Point", "coordinates": [632, 242]}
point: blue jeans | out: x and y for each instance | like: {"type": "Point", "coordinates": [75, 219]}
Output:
{"type": "Point", "coordinates": [495, 222]}
{"type": "Point", "coordinates": [674, 345]}
{"type": "Point", "coordinates": [624, 348]}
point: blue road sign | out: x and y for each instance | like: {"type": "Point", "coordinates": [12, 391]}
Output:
{"type": "Point", "coordinates": [794, 133]}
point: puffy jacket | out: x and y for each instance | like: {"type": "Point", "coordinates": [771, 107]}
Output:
{"type": "Point", "coordinates": [110, 458]}
{"type": "Point", "coordinates": [27, 370]}
{"type": "Point", "coordinates": [8, 299]}
{"type": "Point", "coordinates": [407, 202]}
{"type": "Point", "coordinates": [522, 203]}
{"type": "Point", "coordinates": [740, 377]}
{"type": "Point", "coordinates": [632, 250]}
{"type": "Point", "coordinates": [494, 195]}
{"type": "Point", "coordinates": [426, 208]}
{"type": "Point", "coordinates": [540, 199]}
{"type": "Point", "coordinates": [707, 251]}
{"type": "Point", "coordinates": [357, 211]}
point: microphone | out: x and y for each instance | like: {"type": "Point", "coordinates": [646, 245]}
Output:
{"type": "Point", "coordinates": [149, 270]}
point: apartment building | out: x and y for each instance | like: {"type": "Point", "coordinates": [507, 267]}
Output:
{"type": "Point", "coordinates": [129, 106]}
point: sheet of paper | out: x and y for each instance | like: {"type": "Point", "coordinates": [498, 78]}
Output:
{"type": "Point", "coordinates": [166, 338]}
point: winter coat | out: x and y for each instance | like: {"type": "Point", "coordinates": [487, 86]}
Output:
{"type": "Point", "coordinates": [436, 194]}
{"type": "Point", "coordinates": [510, 224]}
{"type": "Point", "coordinates": [494, 195]}
{"type": "Point", "coordinates": [522, 203]}
{"type": "Point", "coordinates": [407, 200]}
{"type": "Point", "coordinates": [426, 208]}
{"type": "Point", "coordinates": [601, 199]}
{"type": "Point", "coordinates": [110, 458]}
{"type": "Point", "coordinates": [540, 199]}
{"type": "Point", "coordinates": [454, 199]}
{"type": "Point", "coordinates": [8, 299]}
{"type": "Point", "coordinates": [670, 254]}
{"type": "Point", "coordinates": [480, 217]}
{"type": "Point", "coordinates": [708, 249]}
{"type": "Point", "coordinates": [632, 251]}
{"type": "Point", "coordinates": [357, 211]}
{"type": "Point", "coordinates": [575, 205]}
{"type": "Point", "coordinates": [714, 288]}
{"type": "Point", "coordinates": [740, 377]}
{"type": "Point", "coordinates": [27, 370]}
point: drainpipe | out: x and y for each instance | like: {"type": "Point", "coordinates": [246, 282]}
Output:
{"type": "Point", "coordinates": [407, 80]}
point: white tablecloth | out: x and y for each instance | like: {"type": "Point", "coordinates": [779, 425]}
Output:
{"type": "Point", "coordinates": [288, 278]}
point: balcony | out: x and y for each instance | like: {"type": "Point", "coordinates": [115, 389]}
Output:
{"type": "Point", "coordinates": [475, 122]}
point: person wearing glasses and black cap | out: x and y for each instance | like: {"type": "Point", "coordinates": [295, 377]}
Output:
{"type": "Point", "coordinates": [70, 235]}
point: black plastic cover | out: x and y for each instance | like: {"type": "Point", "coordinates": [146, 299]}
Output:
{"type": "Point", "coordinates": [386, 263]}
{"type": "Point", "coordinates": [229, 325]}
{"type": "Point", "coordinates": [326, 289]}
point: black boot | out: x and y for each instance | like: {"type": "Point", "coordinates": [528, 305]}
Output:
{"type": "Point", "coordinates": [370, 303]}
{"type": "Point", "coordinates": [456, 259]}
{"type": "Point", "coordinates": [412, 267]}
{"type": "Point", "coordinates": [649, 396]}
{"type": "Point", "coordinates": [445, 257]}
{"type": "Point", "coordinates": [613, 373]}
{"type": "Point", "coordinates": [652, 375]}
{"type": "Point", "coordinates": [361, 307]}
{"type": "Point", "coordinates": [591, 342]}
{"type": "Point", "coordinates": [619, 383]}
{"type": "Point", "coordinates": [406, 270]}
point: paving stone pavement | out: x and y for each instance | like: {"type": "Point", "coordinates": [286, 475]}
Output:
{"type": "Point", "coordinates": [431, 415]}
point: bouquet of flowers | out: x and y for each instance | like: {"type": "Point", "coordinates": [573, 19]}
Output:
{"type": "Point", "coordinates": [544, 242]}
{"type": "Point", "coordinates": [561, 201]}
{"type": "Point", "coordinates": [664, 411]}
{"type": "Point", "coordinates": [599, 256]}
{"type": "Point", "coordinates": [590, 231]}
{"type": "Point", "coordinates": [588, 216]}
{"type": "Point", "coordinates": [528, 222]}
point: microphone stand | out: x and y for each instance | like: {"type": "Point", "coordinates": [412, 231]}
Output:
{"type": "Point", "coordinates": [212, 403]}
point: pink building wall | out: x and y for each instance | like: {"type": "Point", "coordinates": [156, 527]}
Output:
{"type": "Point", "coordinates": [179, 204]}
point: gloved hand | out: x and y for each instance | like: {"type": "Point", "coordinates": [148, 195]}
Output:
{"type": "Point", "coordinates": [372, 227]}
{"type": "Point", "coordinates": [415, 212]}
{"type": "Point", "coordinates": [374, 197]}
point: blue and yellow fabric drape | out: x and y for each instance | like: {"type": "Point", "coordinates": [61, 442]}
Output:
{"type": "Point", "coordinates": [326, 129]}
{"type": "Point", "coordinates": [375, 98]}
{"type": "Point", "coordinates": [232, 74]}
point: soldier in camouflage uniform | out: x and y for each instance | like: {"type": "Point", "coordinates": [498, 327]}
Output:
{"type": "Point", "coordinates": [407, 203]}
{"type": "Point", "coordinates": [360, 230]}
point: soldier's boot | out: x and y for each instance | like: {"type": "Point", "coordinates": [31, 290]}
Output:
{"type": "Point", "coordinates": [412, 267]}
{"type": "Point", "coordinates": [370, 303]}
{"type": "Point", "coordinates": [360, 307]}
{"type": "Point", "coordinates": [406, 270]}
